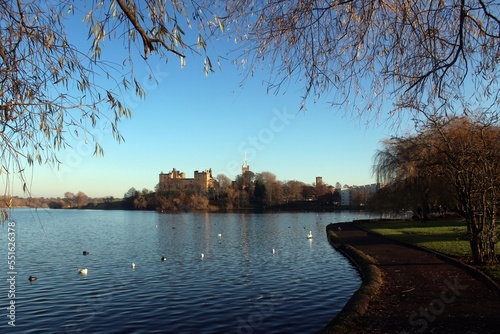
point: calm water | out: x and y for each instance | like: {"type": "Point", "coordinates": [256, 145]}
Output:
{"type": "Point", "coordinates": [240, 286]}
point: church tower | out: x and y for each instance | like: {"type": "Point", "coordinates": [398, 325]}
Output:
{"type": "Point", "coordinates": [319, 181]}
{"type": "Point", "coordinates": [245, 167]}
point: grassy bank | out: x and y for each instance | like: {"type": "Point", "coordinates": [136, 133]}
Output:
{"type": "Point", "coordinates": [447, 236]}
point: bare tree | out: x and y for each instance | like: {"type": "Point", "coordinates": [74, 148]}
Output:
{"type": "Point", "coordinates": [131, 193]}
{"type": "Point", "coordinates": [464, 154]}
{"type": "Point", "coordinates": [403, 164]}
{"type": "Point", "coordinates": [54, 88]}
{"type": "Point", "coordinates": [223, 181]}
{"type": "Point", "coordinates": [360, 53]}
{"type": "Point", "coordinates": [293, 190]}
{"type": "Point", "coordinates": [81, 199]}
{"type": "Point", "coordinates": [69, 199]}
{"type": "Point", "coordinates": [470, 158]}
{"type": "Point", "coordinates": [273, 188]}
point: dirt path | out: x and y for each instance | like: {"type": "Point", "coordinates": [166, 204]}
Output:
{"type": "Point", "coordinates": [421, 292]}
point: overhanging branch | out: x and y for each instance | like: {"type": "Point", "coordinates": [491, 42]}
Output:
{"type": "Point", "coordinates": [147, 41]}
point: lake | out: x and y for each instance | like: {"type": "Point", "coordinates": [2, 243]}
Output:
{"type": "Point", "coordinates": [259, 272]}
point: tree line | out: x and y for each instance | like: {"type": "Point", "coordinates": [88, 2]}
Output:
{"type": "Point", "coordinates": [69, 201]}
{"type": "Point", "coordinates": [249, 191]}
{"type": "Point", "coordinates": [451, 162]}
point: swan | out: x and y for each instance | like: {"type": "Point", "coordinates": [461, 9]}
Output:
{"type": "Point", "coordinates": [32, 278]}
{"type": "Point", "coordinates": [133, 265]}
{"type": "Point", "coordinates": [274, 251]}
{"type": "Point", "coordinates": [219, 235]}
{"type": "Point", "coordinates": [83, 271]}
{"type": "Point", "coordinates": [310, 236]}
{"type": "Point", "coordinates": [86, 252]}
{"type": "Point", "coordinates": [164, 258]}
{"type": "Point", "coordinates": [202, 256]}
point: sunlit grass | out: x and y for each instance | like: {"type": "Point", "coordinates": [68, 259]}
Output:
{"type": "Point", "coordinates": [447, 236]}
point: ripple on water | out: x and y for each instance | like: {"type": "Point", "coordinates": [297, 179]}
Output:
{"type": "Point", "coordinates": [240, 285]}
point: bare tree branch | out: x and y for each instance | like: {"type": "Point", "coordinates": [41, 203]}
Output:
{"type": "Point", "coordinates": [146, 39]}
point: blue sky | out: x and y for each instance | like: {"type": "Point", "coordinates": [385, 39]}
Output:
{"type": "Point", "coordinates": [192, 122]}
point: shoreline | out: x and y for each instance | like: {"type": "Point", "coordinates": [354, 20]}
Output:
{"type": "Point", "coordinates": [404, 286]}
{"type": "Point", "coordinates": [371, 282]}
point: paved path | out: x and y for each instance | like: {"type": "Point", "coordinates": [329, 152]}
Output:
{"type": "Point", "coordinates": [421, 292]}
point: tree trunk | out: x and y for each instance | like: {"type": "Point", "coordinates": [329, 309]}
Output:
{"type": "Point", "coordinates": [483, 239]}
{"type": "Point", "coordinates": [425, 206]}
{"type": "Point", "coordinates": [492, 237]}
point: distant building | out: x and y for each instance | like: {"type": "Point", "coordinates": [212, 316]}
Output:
{"type": "Point", "coordinates": [358, 195]}
{"type": "Point", "coordinates": [245, 167]}
{"type": "Point", "coordinates": [346, 197]}
{"type": "Point", "coordinates": [319, 181]}
{"type": "Point", "coordinates": [176, 180]}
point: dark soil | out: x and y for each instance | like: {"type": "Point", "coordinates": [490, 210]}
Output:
{"type": "Point", "coordinates": [421, 292]}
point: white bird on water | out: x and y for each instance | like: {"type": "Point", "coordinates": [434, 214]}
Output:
{"type": "Point", "coordinates": [310, 235]}
{"type": "Point", "coordinates": [202, 256]}
{"type": "Point", "coordinates": [133, 265]}
{"type": "Point", "coordinates": [274, 251]}
{"type": "Point", "coordinates": [83, 271]}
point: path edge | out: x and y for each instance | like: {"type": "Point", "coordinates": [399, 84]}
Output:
{"type": "Point", "coordinates": [371, 282]}
{"type": "Point", "coordinates": [470, 269]}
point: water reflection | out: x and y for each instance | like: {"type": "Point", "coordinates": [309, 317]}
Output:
{"type": "Point", "coordinates": [241, 284]}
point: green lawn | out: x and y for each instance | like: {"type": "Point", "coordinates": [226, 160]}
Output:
{"type": "Point", "coordinates": [446, 236]}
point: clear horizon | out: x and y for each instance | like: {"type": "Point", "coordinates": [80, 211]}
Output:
{"type": "Point", "coordinates": [192, 122]}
